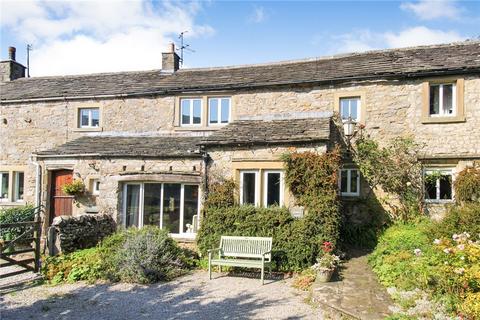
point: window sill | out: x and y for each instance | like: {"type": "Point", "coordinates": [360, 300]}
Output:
{"type": "Point", "coordinates": [185, 128]}
{"type": "Point", "coordinates": [439, 201]}
{"type": "Point", "coordinates": [12, 204]}
{"type": "Point", "coordinates": [183, 236]}
{"type": "Point", "coordinates": [88, 129]}
{"type": "Point", "coordinates": [456, 119]}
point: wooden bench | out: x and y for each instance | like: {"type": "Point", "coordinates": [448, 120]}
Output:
{"type": "Point", "coordinates": [246, 252]}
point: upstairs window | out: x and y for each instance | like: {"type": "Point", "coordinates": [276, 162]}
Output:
{"type": "Point", "coordinates": [349, 182]}
{"type": "Point", "coordinates": [89, 118]}
{"type": "Point", "coordinates": [219, 110]}
{"type": "Point", "coordinates": [191, 111]}
{"type": "Point", "coordinates": [443, 99]}
{"type": "Point", "coordinates": [4, 181]}
{"type": "Point", "coordinates": [350, 107]}
{"type": "Point", "coordinates": [438, 185]}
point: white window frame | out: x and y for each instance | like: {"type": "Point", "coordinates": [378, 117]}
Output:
{"type": "Point", "coordinates": [349, 192]}
{"type": "Point", "coordinates": [190, 122]}
{"type": "Point", "coordinates": [257, 186]}
{"type": "Point", "coordinates": [219, 111]}
{"type": "Point", "coordinates": [443, 171]}
{"type": "Point", "coordinates": [7, 199]}
{"type": "Point", "coordinates": [141, 206]}
{"type": "Point", "coordinates": [359, 104]}
{"type": "Point", "coordinates": [95, 187]}
{"type": "Point", "coordinates": [16, 190]}
{"type": "Point", "coordinates": [441, 109]}
{"type": "Point", "coordinates": [265, 186]}
{"type": "Point", "coordinates": [90, 118]}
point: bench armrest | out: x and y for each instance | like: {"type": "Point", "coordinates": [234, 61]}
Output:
{"type": "Point", "coordinates": [267, 252]}
{"type": "Point", "coordinates": [212, 250]}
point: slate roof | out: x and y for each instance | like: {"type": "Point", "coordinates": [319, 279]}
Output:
{"type": "Point", "coordinates": [127, 146]}
{"type": "Point", "coordinates": [461, 57]}
{"type": "Point", "coordinates": [255, 132]}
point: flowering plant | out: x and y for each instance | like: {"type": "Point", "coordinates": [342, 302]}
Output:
{"type": "Point", "coordinates": [328, 261]}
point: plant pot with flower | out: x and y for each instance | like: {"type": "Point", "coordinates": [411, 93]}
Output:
{"type": "Point", "coordinates": [75, 188]}
{"type": "Point", "coordinates": [326, 264]}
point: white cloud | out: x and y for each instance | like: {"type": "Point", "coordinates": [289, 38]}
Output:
{"type": "Point", "coordinates": [258, 15]}
{"type": "Point", "coordinates": [420, 36]}
{"type": "Point", "coordinates": [364, 40]}
{"type": "Point", "coordinates": [85, 36]}
{"type": "Point", "coordinates": [433, 9]}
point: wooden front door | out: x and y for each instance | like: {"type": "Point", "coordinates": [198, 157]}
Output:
{"type": "Point", "coordinates": [60, 203]}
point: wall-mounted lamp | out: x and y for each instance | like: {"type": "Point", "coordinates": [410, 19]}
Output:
{"type": "Point", "coordinates": [349, 128]}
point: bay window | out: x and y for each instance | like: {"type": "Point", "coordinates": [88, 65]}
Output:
{"type": "Point", "coordinates": [171, 206]}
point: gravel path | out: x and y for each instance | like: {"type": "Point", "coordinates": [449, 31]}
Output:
{"type": "Point", "coordinates": [189, 297]}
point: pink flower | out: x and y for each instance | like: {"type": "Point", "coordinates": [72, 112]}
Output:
{"type": "Point", "coordinates": [459, 271]}
{"type": "Point", "coordinates": [447, 250]}
{"type": "Point", "coordinates": [417, 252]}
{"type": "Point", "coordinates": [437, 241]}
{"type": "Point", "coordinates": [461, 247]}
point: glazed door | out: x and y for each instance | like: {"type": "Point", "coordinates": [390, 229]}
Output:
{"type": "Point", "coordinates": [60, 203]}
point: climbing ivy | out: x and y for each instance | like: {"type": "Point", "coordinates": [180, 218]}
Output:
{"type": "Point", "coordinates": [467, 185]}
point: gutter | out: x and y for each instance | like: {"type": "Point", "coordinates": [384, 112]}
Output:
{"type": "Point", "coordinates": [98, 155]}
{"type": "Point", "coordinates": [251, 86]}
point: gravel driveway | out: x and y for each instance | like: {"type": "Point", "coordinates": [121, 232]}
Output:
{"type": "Point", "coordinates": [189, 297]}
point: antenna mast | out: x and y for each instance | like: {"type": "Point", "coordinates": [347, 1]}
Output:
{"type": "Point", "coordinates": [29, 48]}
{"type": "Point", "coordinates": [183, 46]}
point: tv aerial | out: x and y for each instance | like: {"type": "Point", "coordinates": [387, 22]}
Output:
{"type": "Point", "coordinates": [183, 46]}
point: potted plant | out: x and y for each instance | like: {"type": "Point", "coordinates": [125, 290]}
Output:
{"type": "Point", "coordinates": [74, 188]}
{"type": "Point", "coordinates": [326, 264]}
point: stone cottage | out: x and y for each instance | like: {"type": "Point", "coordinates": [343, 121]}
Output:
{"type": "Point", "coordinates": [145, 144]}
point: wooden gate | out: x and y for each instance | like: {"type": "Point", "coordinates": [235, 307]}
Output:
{"type": "Point", "coordinates": [24, 250]}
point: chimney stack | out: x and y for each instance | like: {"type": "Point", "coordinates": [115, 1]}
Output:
{"type": "Point", "coordinates": [10, 69]}
{"type": "Point", "coordinates": [11, 53]}
{"type": "Point", "coordinates": [170, 60]}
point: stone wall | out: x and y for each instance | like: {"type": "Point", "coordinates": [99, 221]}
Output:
{"type": "Point", "coordinates": [84, 231]}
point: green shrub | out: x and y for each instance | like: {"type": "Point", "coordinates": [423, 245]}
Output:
{"type": "Point", "coordinates": [12, 215]}
{"type": "Point", "coordinates": [459, 219]}
{"type": "Point", "coordinates": [467, 185]}
{"type": "Point", "coordinates": [295, 243]}
{"type": "Point", "coordinates": [80, 265]}
{"type": "Point", "coordinates": [148, 255]}
{"type": "Point", "coordinates": [221, 194]}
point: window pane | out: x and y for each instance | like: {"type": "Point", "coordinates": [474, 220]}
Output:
{"type": "Point", "coordinates": [225, 110]}
{"type": "Point", "coordinates": [151, 204]}
{"type": "Point", "coordinates": [353, 181]}
{"type": "Point", "coordinates": [4, 185]}
{"type": "Point", "coordinates": [84, 115]}
{"type": "Point", "coordinates": [185, 111]}
{"type": "Point", "coordinates": [132, 205]}
{"type": "Point", "coordinates": [273, 188]}
{"type": "Point", "coordinates": [95, 117]}
{"type": "Point", "coordinates": [213, 111]}
{"type": "Point", "coordinates": [248, 192]}
{"type": "Point", "coordinates": [190, 209]}
{"type": "Point", "coordinates": [197, 111]}
{"type": "Point", "coordinates": [354, 109]}
{"type": "Point", "coordinates": [171, 207]}
{"type": "Point", "coordinates": [447, 99]}
{"type": "Point", "coordinates": [343, 181]}
{"type": "Point", "coordinates": [434, 99]}
{"type": "Point", "coordinates": [19, 182]}
{"type": "Point", "coordinates": [446, 187]}
{"type": "Point", "coordinates": [344, 108]}
{"type": "Point", "coordinates": [430, 189]}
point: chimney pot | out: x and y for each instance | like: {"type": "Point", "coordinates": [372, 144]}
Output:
{"type": "Point", "coordinates": [171, 47]}
{"type": "Point", "coordinates": [11, 53]}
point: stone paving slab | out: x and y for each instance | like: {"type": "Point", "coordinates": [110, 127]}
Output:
{"type": "Point", "coordinates": [355, 291]}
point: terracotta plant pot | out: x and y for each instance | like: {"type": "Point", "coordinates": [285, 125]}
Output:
{"type": "Point", "coordinates": [324, 275]}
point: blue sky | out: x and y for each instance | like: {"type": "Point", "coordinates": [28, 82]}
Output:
{"type": "Point", "coordinates": [87, 36]}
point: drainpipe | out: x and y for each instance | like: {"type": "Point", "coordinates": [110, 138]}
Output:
{"type": "Point", "coordinates": [206, 159]}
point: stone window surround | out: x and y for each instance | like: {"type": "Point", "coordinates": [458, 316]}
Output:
{"type": "Point", "coordinates": [90, 183]}
{"type": "Point", "coordinates": [76, 124]}
{"type": "Point", "coordinates": [11, 184]}
{"type": "Point", "coordinates": [351, 94]}
{"type": "Point", "coordinates": [450, 169]}
{"type": "Point", "coordinates": [261, 166]}
{"type": "Point", "coordinates": [460, 108]}
{"type": "Point", "coordinates": [204, 125]}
